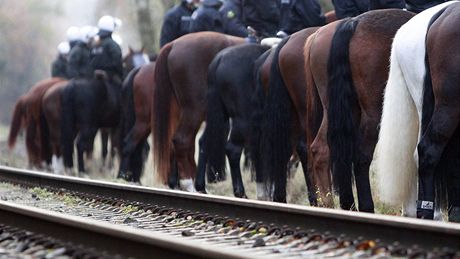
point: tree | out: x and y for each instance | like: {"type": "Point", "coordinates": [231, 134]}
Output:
{"type": "Point", "coordinates": [145, 26]}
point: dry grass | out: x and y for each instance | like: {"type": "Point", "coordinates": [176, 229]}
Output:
{"type": "Point", "coordinates": [297, 191]}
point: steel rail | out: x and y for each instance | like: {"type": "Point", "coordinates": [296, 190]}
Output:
{"type": "Point", "coordinates": [407, 231]}
{"type": "Point", "coordinates": [123, 241]}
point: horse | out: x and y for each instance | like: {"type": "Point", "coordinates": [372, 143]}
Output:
{"type": "Point", "coordinates": [51, 106]}
{"type": "Point", "coordinates": [230, 87]}
{"type": "Point", "coordinates": [346, 65]}
{"type": "Point", "coordinates": [419, 125]}
{"type": "Point", "coordinates": [283, 125]}
{"type": "Point", "coordinates": [134, 59]}
{"type": "Point", "coordinates": [87, 105]}
{"type": "Point", "coordinates": [28, 114]}
{"type": "Point", "coordinates": [135, 123]}
{"type": "Point", "coordinates": [179, 102]}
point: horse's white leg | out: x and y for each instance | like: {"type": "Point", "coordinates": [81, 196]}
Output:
{"type": "Point", "coordinates": [187, 185]}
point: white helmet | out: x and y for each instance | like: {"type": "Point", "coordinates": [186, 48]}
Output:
{"type": "Point", "coordinates": [87, 32]}
{"type": "Point", "coordinates": [63, 48]}
{"type": "Point", "coordinates": [73, 33]}
{"type": "Point", "coordinates": [108, 23]}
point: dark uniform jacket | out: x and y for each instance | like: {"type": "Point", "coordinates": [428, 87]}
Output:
{"type": "Point", "coordinates": [79, 61]}
{"type": "Point", "coordinates": [176, 23]}
{"type": "Point", "coordinates": [262, 15]}
{"type": "Point", "coordinates": [385, 4]}
{"type": "Point", "coordinates": [232, 17]}
{"type": "Point", "coordinates": [417, 6]}
{"type": "Point", "coordinates": [299, 14]}
{"type": "Point", "coordinates": [350, 8]}
{"type": "Point", "coordinates": [59, 67]}
{"type": "Point", "coordinates": [207, 18]}
{"type": "Point", "coordinates": [107, 57]}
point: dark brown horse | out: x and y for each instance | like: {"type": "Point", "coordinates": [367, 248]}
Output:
{"type": "Point", "coordinates": [136, 120]}
{"type": "Point", "coordinates": [28, 114]}
{"type": "Point", "coordinates": [283, 125]}
{"type": "Point", "coordinates": [347, 68]}
{"type": "Point", "coordinates": [179, 104]}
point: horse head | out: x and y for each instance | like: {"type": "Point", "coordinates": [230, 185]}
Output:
{"type": "Point", "coordinates": [134, 59]}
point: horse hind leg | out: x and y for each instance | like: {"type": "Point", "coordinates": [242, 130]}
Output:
{"type": "Point", "coordinates": [184, 149]}
{"type": "Point", "coordinates": [200, 183]}
{"type": "Point", "coordinates": [362, 162]}
{"type": "Point", "coordinates": [302, 152]}
{"type": "Point", "coordinates": [84, 141]}
{"type": "Point", "coordinates": [443, 123]}
{"type": "Point", "coordinates": [234, 149]}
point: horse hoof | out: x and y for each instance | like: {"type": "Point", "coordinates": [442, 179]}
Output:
{"type": "Point", "coordinates": [425, 214]}
{"type": "Point", "coordinates": [240, 195]}
{"type": "Point", "coordinates": [202, 191]}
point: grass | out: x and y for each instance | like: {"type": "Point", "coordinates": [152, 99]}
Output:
{"type": "Point", "coordinates": [296, 188]}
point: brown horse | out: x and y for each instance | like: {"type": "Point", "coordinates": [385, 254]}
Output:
{"type": "Point", "coordinates": [28, 114]}
{"type": "Point", "coordinates": [136, 120]}
{"type": "Point", "coordinates": [284, 124]}
{"type": "Point", "coordinates": [346, 68]}
{"type": "Point", "coordinates": [179, 104]}
{"type": "Point", "coordinates": [51, 106]}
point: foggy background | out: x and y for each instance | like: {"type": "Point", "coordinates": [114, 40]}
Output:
{"type": "Point", "coordinates": [30, 31]}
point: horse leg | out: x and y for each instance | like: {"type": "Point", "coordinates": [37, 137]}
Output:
{"type": "Point", "coordinates": [200, 183]}
{"type": "Point", "coordinates": [320, 163]}
{"type": "Point", "coordinates": [440, 130]}
{"type": "Point", "coordinates": [233, 149]}
{"type": "Point", "coordinates": [104, 144]}
{"type": "Point", "coordinates": [363, 159]}
{"type": "Point", "coordinates": [84, 140]}
{"type": "Point", "coordinates": [184, 148]}
{"type": "Point", "coordinates": [302, 152]}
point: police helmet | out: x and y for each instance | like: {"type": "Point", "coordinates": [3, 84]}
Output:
{"type": "Point", "coordinates": [73, 33]}
{"type": "Point", "coordinates": [64, 48]}
{"type": "Point", "coordinates": [108, 23]}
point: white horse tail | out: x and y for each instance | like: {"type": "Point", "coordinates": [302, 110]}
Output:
{"type": "Point", "coordinates": [396, 167]}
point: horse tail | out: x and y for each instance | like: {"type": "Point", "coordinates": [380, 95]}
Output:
{"type": "Point", "coordinates": [67, 124]}
{"type": "Point", "coordinates": [16, 122]}
{"type": "Point", "coordinates": [257, 102]}
{"type": "Point", "coordinates": [342, 131]}
{"type": "Point", "coordinates": [128, 115]}
{"type": "Point", "coordinates": [163, 117]}
{"type": "Point", "coordinates": [216, 123]}
{"type": "Point", "coordinates": [275, 142]}
{"type": "Point", "coordinates": [395, 167]}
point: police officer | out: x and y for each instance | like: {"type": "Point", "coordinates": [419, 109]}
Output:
{"type": "Point", "coordinates": [207, 17]}
{"type": "Point", "coordinates": [177, 21]}
{"type": "Point", "coordinates": [417, 6]}
{"type": "Point", "coordinates": [350, 8]}
{"type": "Point", "coordinates": [299, 14]}
{"type": "Point", "coordinates": [78, 65]}
{"type": "Point", "coordinates": [107, 55]}
{"type": "Point", "coordinates": [262, 15]}
{"type": "Point", "coordinates": [59, 65]}
{"type": "Point", "coordinates": [232, 17]}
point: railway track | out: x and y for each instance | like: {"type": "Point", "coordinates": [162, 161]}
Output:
{"type": "Point", "coordinates": [195, 225]}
